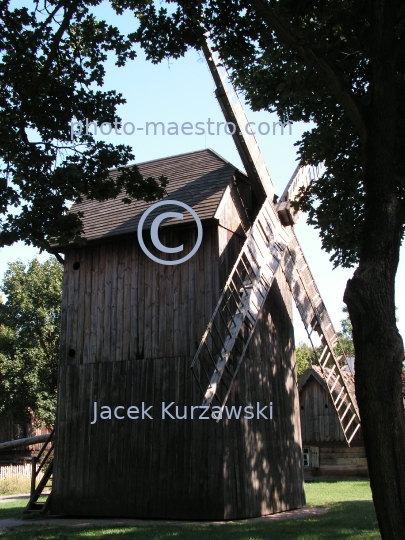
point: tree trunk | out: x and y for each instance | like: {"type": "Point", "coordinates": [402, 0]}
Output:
{"type": "Point", "coordinates": [370, 294]}
{"type": "Point", "coordinates": [379, 355]}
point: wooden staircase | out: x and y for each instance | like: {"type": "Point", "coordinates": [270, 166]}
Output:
{"type": "Point", "coordinates": [42, 462]}
{"type": "Point", "coordinates": [226, 339]}
{"type": "Point", "coordinates": [335, 370]}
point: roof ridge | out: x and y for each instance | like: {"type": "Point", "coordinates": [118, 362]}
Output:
{"type": "Point", "coordinates": [181, 155]}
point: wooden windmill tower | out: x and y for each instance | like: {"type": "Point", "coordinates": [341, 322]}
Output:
{"type": "Point", "coordinates": [137, 433]}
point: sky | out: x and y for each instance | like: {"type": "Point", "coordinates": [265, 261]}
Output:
{"type": "Point", "coordinates": [183, 91]}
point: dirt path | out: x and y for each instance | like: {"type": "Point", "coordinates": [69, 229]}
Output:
{"type": "Point", "coordinates": [308, 511]}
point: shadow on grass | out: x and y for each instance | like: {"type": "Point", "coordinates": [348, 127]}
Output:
{"type": "Point", "coordinates": [13, 510]}
{"type": "Point", "coordinates": [354, 520]}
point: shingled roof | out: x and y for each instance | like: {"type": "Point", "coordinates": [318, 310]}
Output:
{"type": "Point", "coordinates": [198, 179]}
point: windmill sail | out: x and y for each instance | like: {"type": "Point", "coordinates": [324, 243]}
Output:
{"type": "Point", "coordinates": [268, 244]}
{"type": "Point", "coordinates": [338, 378]}
{"type": "Point", "coordinates": [302, 178]}
{"type": "Point", "coordinates": [226, 339]}
{"type": "Point", "coordinates": [235, 115]}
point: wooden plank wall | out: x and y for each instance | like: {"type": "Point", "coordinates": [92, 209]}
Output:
{"type": "Point", "coordinates": [130, 328]}
{"type": "Point", "coordinates": [117, 282]}
{"type": "Point", "coordinates": [338, 459]}
{"type": "Point", "coordinates": [319, 421]}
{"type": "Point", "coordinates": [273, 453]}
{"type": "Point", "coordinates": [320, 427]}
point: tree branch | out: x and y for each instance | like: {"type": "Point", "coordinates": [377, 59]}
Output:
{"type": "Point", "coordinates": [343, 95]}
{"type": "Point", "coordinates": [60, 258]}
{"type": "Point", "coordinates": [49, 18]}
{"type": "Point", "coordinates": [56, 41]}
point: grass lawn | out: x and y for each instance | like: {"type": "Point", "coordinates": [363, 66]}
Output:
{"type": "Point", "coordinates": [351, 517]}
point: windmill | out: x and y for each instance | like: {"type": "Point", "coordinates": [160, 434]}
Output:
{"type": "Point", "coordinates": [270, 243]}
{"type": "Point", "coordinates": [130, 326]}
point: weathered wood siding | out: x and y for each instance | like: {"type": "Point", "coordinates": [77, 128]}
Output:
{"type": "Point", "coordinates": [120, 305]}
{"type": "Point", "coordinates": [319, 421]}
{"type": "Point", "coordinates": [320, 427]}
{"type": "Point", "coordinates": [130, 328]}
{"type": "Point", "coordinates": [338, 459]}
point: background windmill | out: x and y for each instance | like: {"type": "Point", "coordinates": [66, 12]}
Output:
{"type": "Point", "coordinates": [130, 327]}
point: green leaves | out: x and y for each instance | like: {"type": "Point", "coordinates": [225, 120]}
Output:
{"type": "Point", "coordinates": [304, 355]}
{"type": "Point", "coordinates": [51, 59]}
{"type": "Point", "coordinates": [308, 62]}
{"type": "Point", "coordinates": [29, 340]}
{"type": "Point", "coordinates": [345, 345]}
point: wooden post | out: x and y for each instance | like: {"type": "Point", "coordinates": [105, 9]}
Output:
{"type": "Point", "coordinates": [33, 474]}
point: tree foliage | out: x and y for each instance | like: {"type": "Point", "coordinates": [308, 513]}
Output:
{"type": "Point", "coordinates": [308, 62]}
{"type": "Point", "coordinates": [345, 345]}
{"type": "Point", "coordinates": [304, 355]}
{"type": "Point", "coordinates": [51, 63]}
{"type": "Point", "coordinates": [29, 340]}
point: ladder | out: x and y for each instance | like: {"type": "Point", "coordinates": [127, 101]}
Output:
{"type": "Point", "coordinates": [226, 339]}
{"type": "Point", "coordinates": [42, 462]}
{"type": "Point", "coordinates": [336, 374]}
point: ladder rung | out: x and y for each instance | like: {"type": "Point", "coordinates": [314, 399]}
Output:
{"type": "Point", "coordinates": [330, 373]}
{"type": "Point", "coordinates": [326, 361]}
{"type": "Point", "coordinates": [354, 433]}
{"type": "Point", "coordinates": [349, 424]}
{"type": "Point", "coordinates": [251, 260]}
{"type": "Point", "coordinates": [231, 315]}
{"type": "Point", "coordinates": [340, 393]}
{"type": "Point", "coordinates": [259, 241]}
{"type": "Point", "coordinates": [344, 414]}
{"type": "Point", "coordinates": [225, 323]}
{"type": "Point", "coordinates": [248, 322]}
{"type": "Point", "coordinates": [248, 276]}
{"type": "Point", "coordinates": [323, 353]}
{"type": "Point", "coordinates": [241, 280]}
{"type": "Point", "coordinates": [234, 290]}
{"type": "Point", "coordinates": [334, 384]}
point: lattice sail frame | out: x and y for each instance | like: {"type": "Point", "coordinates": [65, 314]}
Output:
{"type": "Point", "coordinates": [268, 245]}
{"type": "Point", "coordinates": [238, 308]}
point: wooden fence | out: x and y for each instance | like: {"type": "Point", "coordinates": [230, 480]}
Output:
{"type": "Point", "coordinates": [16, 471]}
